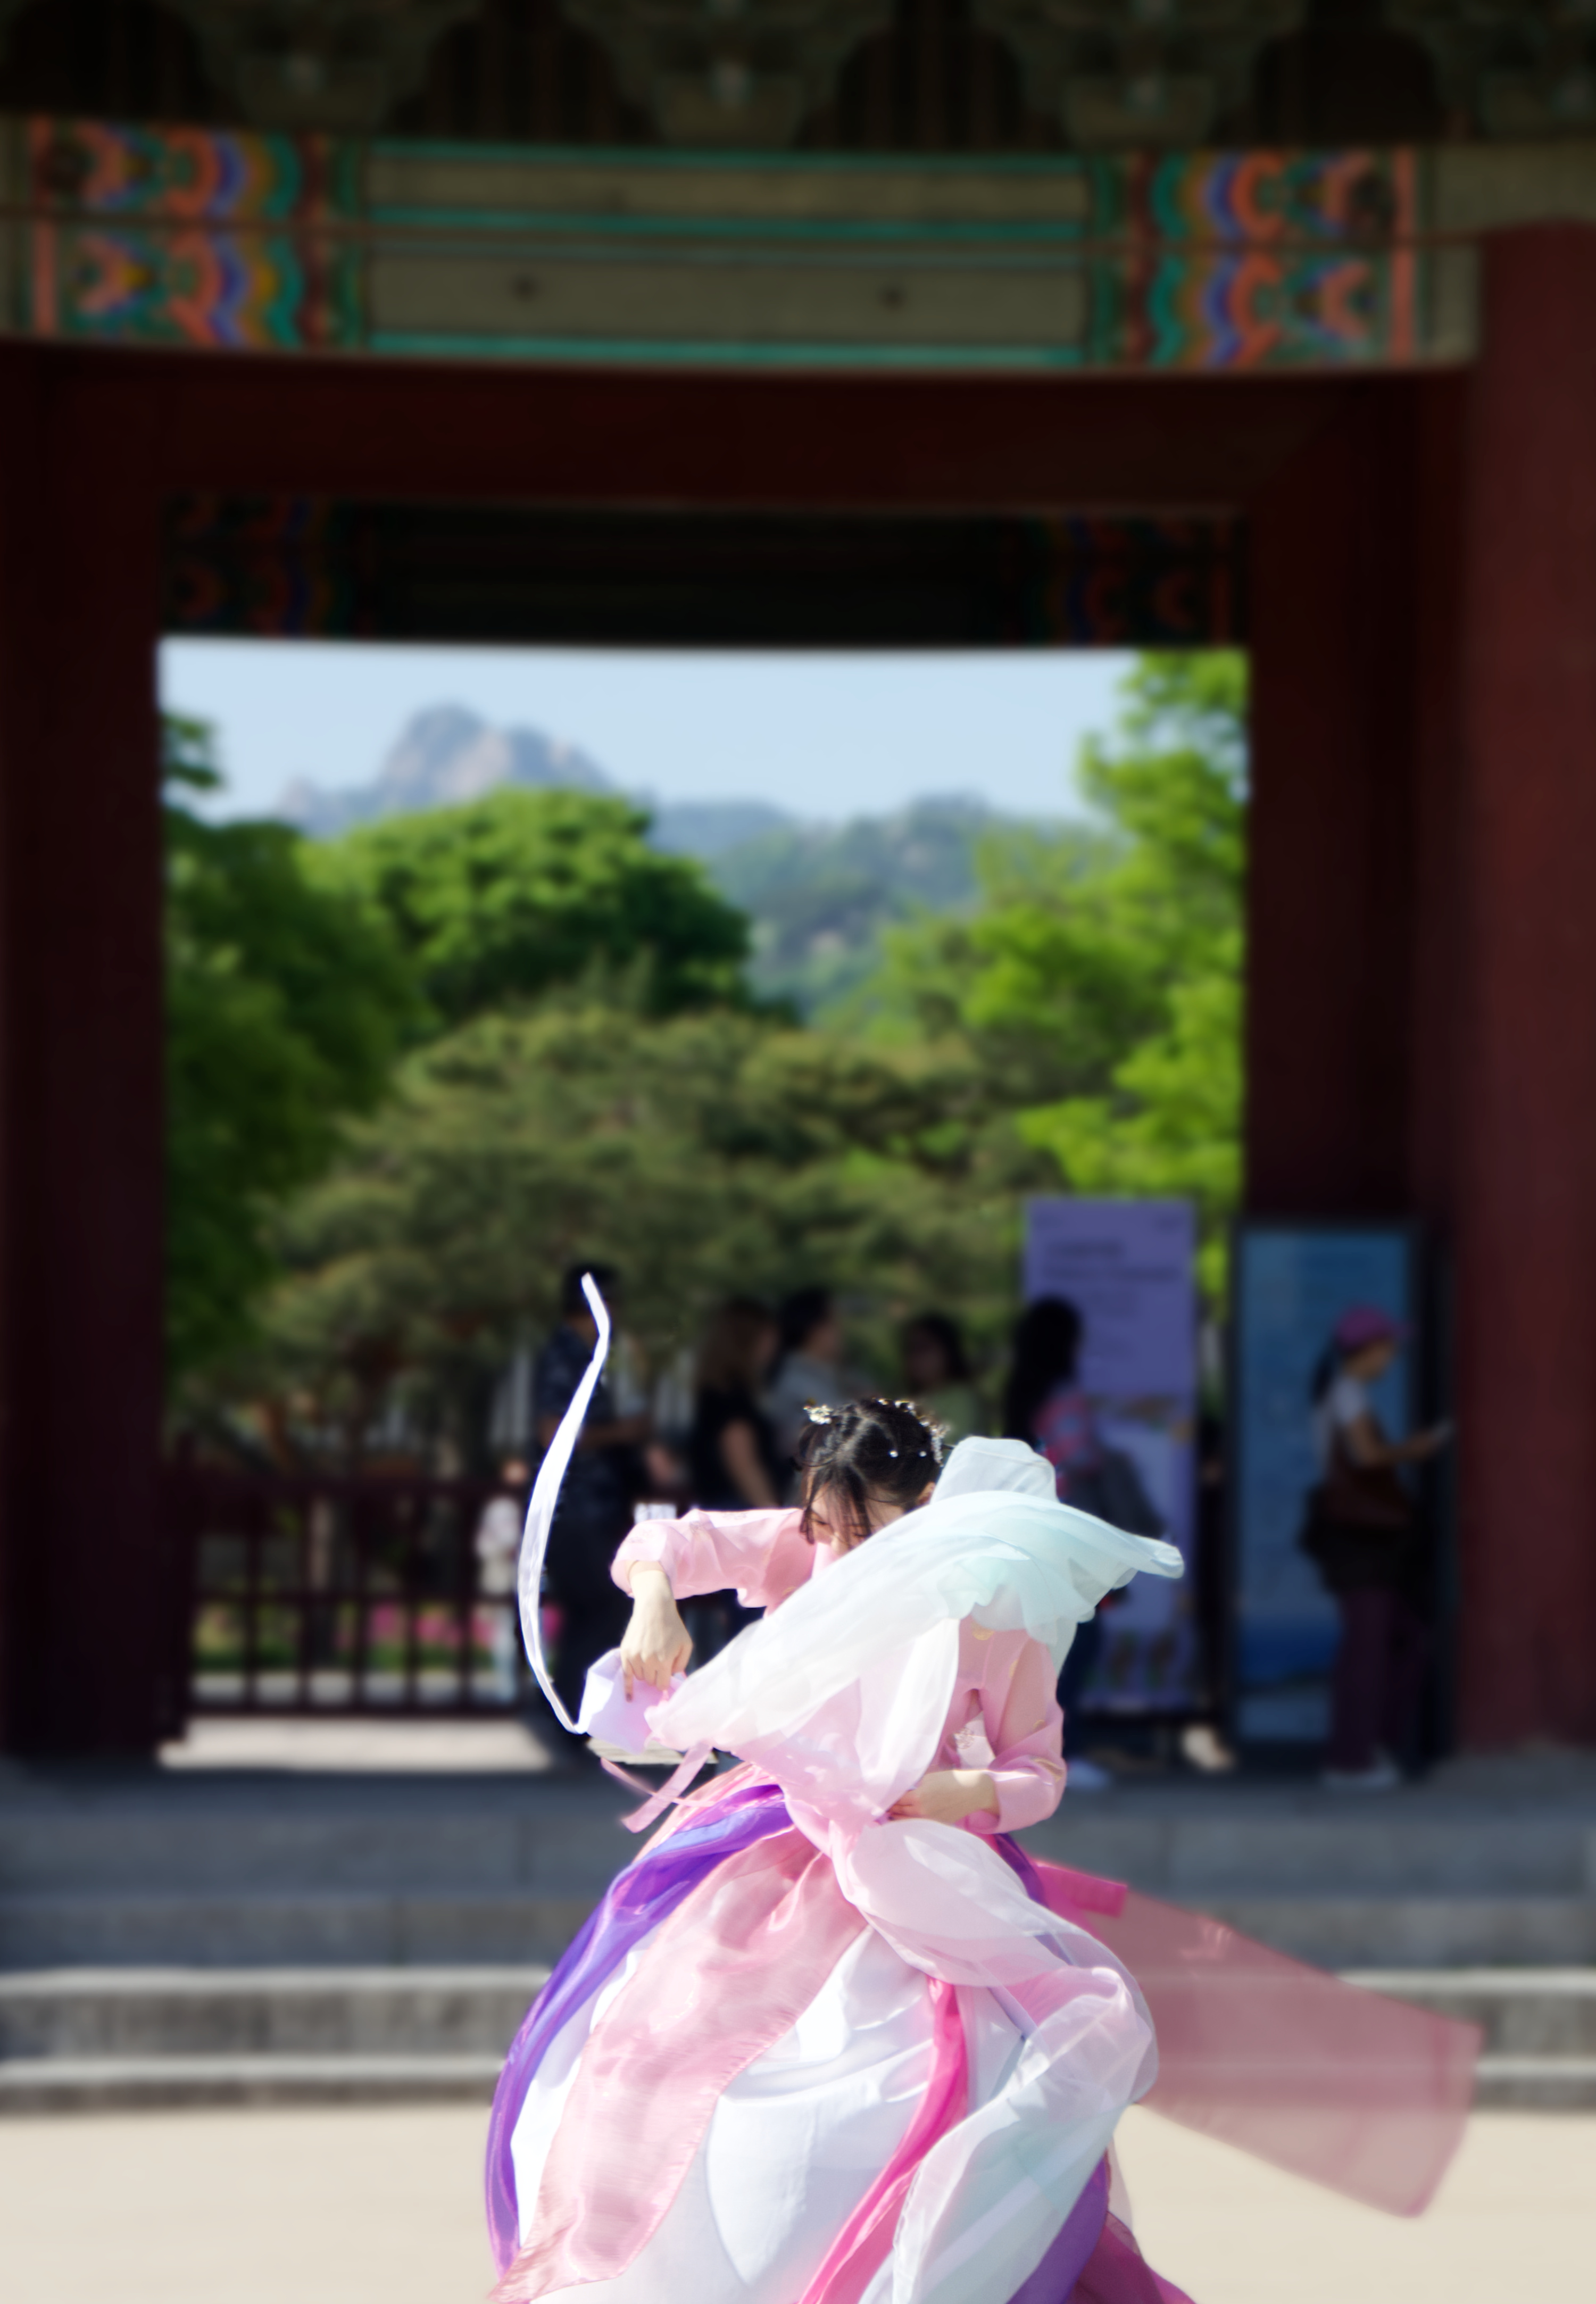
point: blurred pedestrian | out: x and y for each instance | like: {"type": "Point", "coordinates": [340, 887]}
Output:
{"type": "Point", "coordinates": [937, 1377]}
{"type": "Point", "coordinates": [1363, 1531]}
{"type": "Point", "coordinates": [732, 1452]}
{"type": "Point", "coordinates": [595, 1506]}
{"type": "Point", "coordinates": [809, 1372]}
{"type": "Point", "coordinates": [732, 1456]}
{"type": "Point", "coordinates": [1043, 1403]}
{"type": "Point", "coordinates": [497, 1546]}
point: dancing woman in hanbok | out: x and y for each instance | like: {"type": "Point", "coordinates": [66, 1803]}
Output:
{"type": "Point", "coordinates": [833, 2038]}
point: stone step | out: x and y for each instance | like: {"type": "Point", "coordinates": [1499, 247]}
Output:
{"type": "Point", "coordinates": [89, 2014]}
{"type": "Point", "coordinates": [1285, 1844]}
{"type": "Point", "coordinates": [45, 2084]}
{"type": "Point", "coordinates": [74, 2040]}
{"type": "Point", "coordinates": [1526, 2014]}
{"type": "Point", "coordinates": [149, 2083]}
{"type": "Point", "coordinates": [426, 1926]}
{"type": "Point", "coordinates": [1419, 1932]}
{"type": "Point", "coordinates": [274, 1928]}
{"type": "Point", "coordinates": [551, 1837]}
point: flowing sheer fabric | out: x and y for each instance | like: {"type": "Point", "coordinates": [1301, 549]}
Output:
{"type": "Point", "coordinates": [865, 2241]}
{"type": "Point", "coordinates": [1366, 2096]}
{"type": "Point", "coordinates": [841, 1695]}
{"type": "Point", "coordinates": [634, 1904]}
{"type": "Point", "coordinates": [1336, 2084]}
{"type": "Point", "coordinates": [712, 1946]}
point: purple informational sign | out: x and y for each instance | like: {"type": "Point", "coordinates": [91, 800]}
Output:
{"type": "Point", "coordinates": [1129, 1269]}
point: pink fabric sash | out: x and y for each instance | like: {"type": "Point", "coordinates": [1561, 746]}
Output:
{"type": "Point", "coordinates": [727, 1975]}
{"type": "Point", "coordinates": [1355, 2091]}
{"type": "Point", "coordinates": [862, 2245]}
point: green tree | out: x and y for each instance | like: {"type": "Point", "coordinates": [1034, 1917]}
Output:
{"type": "Point", "coordinates": [502, 901]}
{"type": "Point", "coordinates": [1172, 784]}
{"type": "Point", "coordinates": [706, 1154]}
{"type": "Point", "coordinates": [284, 1010]}
{"type": "Point", "coordinates": [1101, 984]}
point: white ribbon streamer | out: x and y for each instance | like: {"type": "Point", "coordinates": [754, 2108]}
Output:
{"type": "Point", "coordinates": [544, 1498]}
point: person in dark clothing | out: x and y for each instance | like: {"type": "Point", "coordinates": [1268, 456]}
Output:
{"type": "Point", "coordinates": [600, 1486]}
{"type": "Point", "coordinates": [732, 1451]}
{"type": "Point", "coordinates": [732, 1456]}
{"type": "Point", "coordinates": [1364, 1533]}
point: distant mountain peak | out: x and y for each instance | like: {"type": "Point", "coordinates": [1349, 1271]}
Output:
{"type": "Point", "coordinates": [444, 757]}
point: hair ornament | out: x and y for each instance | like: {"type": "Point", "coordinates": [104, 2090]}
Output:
{"type": "Point", "coordinates": [818, 1412]}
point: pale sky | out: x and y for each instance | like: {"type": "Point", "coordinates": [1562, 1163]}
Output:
{"type": "Point", "coordinates": [828, 736]}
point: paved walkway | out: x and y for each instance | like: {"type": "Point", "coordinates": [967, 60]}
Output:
{"type": "Point", "coordinates": [382, 2207]}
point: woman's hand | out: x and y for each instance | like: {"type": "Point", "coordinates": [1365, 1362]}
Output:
{"type": "Point", "coordinates": [657, 1645]}
{"type": "Point", "coordinates": [948, 1796]}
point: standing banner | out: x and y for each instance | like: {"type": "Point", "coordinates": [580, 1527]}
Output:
{"type": "Point", "coordinates": [1129, 1267]}
{"type": "Point", "coordinates": [1290, 1283]}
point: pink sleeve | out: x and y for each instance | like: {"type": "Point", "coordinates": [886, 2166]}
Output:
{"type": "Point", "coordinates": [764, 1555]}
{"type": "Point", "coordinates": [1026, 1730]}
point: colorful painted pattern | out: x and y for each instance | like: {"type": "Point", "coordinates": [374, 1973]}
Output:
{"type": "Point", "coordinates": [267, 567]}
{"type": "Point", "coordinates": [1256, 309]}
{"type": "Point", "coordinates": [1267, 198]}
{"type": "Point", "coordinates": [1219, 262]}
{"type": "Point", "coordinates": [191, 237]}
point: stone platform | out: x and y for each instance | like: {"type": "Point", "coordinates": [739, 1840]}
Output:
{"type": "Point", "coordinates": [271, 1934]}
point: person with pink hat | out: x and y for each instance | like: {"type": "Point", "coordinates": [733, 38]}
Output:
{"type": "Point", "coordinates": [1362, 1531]}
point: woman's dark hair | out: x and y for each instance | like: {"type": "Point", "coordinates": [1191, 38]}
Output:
{"type": "Point", "coordinates": [802, 1313]}
{"type": "Point", "coordinates": [728, 1357]}
{"type": "Point", "coordinates": [1047, 1347]}
{"type": "Point", "coordinates": [875, 1450]}
{"type": "Point", "coordinates": [945, 1334]}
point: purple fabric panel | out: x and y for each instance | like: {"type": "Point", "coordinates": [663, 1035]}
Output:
{"type": "Point", "coordinates": [636, 1901]}
{"type": "Point", "coordinates": [1054, 2279]}
{"type": "Point", "coordinates": [1016, 1858]}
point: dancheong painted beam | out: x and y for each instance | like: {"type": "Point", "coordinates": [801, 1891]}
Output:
{"type": "Point", "coordinates": [1176, 263]}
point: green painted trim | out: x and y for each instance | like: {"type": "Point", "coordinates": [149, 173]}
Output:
{"type": "Point", "coordinates": [593, 352]}
{"type": "Point", "coordinates": [598, 351]}
{"type": "Point", "coordinates": [439, 222]}
{"type": "Point", "coordinates": [679, 159]}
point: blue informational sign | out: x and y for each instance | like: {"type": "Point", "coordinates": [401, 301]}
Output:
{"type": "Point", "coordinates": [1291, 1285]}
{"type": "Point", "coordinates": [1129, 1266]}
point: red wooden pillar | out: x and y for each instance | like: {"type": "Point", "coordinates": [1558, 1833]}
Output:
{"type": "Point", "coordinates": [80, 1059]}
{"type": "Point", "coordinates": [1329, 879]}
{"type": "Point", "coordinates": [1527, 1063]}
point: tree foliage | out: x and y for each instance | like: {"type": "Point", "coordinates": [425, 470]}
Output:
{"type": "Point", "coordinates": [706, 1154]}
{"type": "Point", "coordinates": [500, 901]}
{"type": "Point", "coordinates": [585, 1076]}
{"type": "Point", "coordinates": [283, 1013]}
{"type": "Point", "coordinates": [1101, 984]}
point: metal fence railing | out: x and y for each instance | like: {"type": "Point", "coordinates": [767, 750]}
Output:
{"type": "Point", "coordinates": [306, 1593]}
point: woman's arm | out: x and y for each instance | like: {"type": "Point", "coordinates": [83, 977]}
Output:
{"type": "Point", "coordinates": [655, 1645]}
{"type": "Point", "coordinates": [763, 1554]}
{"type": "Point", "coordinates": [744, 1467]}
{"type": "Point", "coordinates": [1367, 1444]}
{"type": "Point", "coordinates": [1026, 1730]}
{"type": "Point", "coordinates": [1025, 1727]}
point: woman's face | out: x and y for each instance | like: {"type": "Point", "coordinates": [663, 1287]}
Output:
{"type": "Point", "coordinates": [1371, 1363]}
{"type": "Point", "coordinates": [836, 1530]}
{"type": "Point", "coordinates": [764, 1351]}
{"type": "Point", "coordinates": [925, 1363]}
